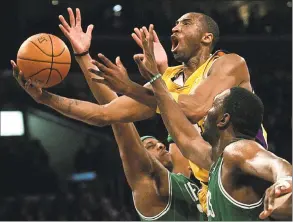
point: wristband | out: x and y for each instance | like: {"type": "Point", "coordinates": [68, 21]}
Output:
{"type": "Point", "coordinates": [285, 178]}
{"type": "Point", "coordinates": [170, 139]}
{"type": "Point", "coordinates": [155, 78]}
{"type": "Point", "coordinates": [81, 54]}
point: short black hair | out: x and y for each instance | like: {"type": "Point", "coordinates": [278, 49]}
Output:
{"type": "Point", "coordinates": [211, 27]}
{"type": "Point", "coordinates": [246, 111]}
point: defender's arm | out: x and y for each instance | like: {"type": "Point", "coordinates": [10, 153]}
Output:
{"type": "Point", "coordinates": [258, 162]}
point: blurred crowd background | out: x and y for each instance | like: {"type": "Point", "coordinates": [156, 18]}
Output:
{"type": "Point", "coordinates": [61, 169]}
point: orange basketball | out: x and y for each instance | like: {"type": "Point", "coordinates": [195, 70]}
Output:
{"type": "Point", "coordinates": [45, 59]}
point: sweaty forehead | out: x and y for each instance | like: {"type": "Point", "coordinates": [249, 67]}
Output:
{"type": "Point", "coordinates": [190, 16]}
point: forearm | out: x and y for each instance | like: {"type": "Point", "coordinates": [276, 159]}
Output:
{"type": "Point", "coordinates": [281, 169]}
{"type": "Point", "coordinates": [84, 111]}
{"type": "Point", "coordinates": [193, 109]}
{"type": "Point", "coordinates": [187, 138]}
{"type": "Point", "coordinates": [101, 92]}
{"type": "Point", "coordinates": [135, 159]}
{"type": "Point", "coordinates": [142, 94]}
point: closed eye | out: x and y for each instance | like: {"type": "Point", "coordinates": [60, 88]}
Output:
{"type": "Point", "coordinates": [149, 145]}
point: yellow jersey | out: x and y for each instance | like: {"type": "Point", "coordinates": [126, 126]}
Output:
{"type": "Point", "coordinates": [169, 77]}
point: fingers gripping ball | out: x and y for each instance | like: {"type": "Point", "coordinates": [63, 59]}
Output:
{"type": "Point", "coordinates": [45, 59]}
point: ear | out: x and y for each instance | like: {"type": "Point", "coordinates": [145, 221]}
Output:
{"type": "Point", "coordinates": [207, 38]}
{"type": "Point", "coordinates": [224, 121]}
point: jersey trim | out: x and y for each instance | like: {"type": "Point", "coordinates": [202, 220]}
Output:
{"type": "Point", "coordinates": [231, 199]}
{"type": "Point", "coordinates": [163, 212]}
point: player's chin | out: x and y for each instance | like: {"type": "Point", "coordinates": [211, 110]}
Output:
{"type": "Point", "coordinates": [179, 56]}
{"type": "Point", "coordinates": [166, 159]}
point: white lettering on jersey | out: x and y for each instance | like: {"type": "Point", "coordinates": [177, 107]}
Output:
{"type": "Point", "coordinates": [210, 212]}
{"type": "Point", "coordinates": [193, 190]}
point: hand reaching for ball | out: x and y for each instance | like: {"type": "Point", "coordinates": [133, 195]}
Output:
{"type": "Point", "coordinates": [30, 87]}
{"type": "Point", "coordinates": [79, 40]}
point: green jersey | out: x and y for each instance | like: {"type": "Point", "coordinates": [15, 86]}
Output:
{"type": "Point", "coordinates": [183, 202]}
{"type": "Point", "coordinates": [222, 207]}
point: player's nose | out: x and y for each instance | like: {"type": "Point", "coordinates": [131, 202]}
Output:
{"type": "Point", "coordinates": [161, 146]}
{"type": "Point", "coordinates": [175, 28]}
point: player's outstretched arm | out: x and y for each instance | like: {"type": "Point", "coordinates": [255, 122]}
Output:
{"type": "Point", "coordinates": [115, 76]}
{"type": "Point", "coordinates": [253, 160]}
{"type": "Point", "coordinates": [122, 109]}
{"type": "Point", "coordinates": [139, 165]}
{"type": "Point", "coordinates": [187, 138]}
{"type": "Point", "coordinates": [80, 110]}
{"type": "Point", "coordinates": [80, 42]}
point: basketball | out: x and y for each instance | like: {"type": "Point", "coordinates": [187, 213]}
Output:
{"type": "Point", "coordinates": [45, 59]}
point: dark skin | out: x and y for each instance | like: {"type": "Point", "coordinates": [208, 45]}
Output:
{"type": "Point", "coordinates": [244, 160]}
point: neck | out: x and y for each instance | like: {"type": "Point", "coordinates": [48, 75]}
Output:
{"type": "Point", "coordinates": [225, 139]}
{"type": "Point", "coordinates": [194, 62]}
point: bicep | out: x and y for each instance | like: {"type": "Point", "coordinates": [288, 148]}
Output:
{"type": "Point", "coordinates": [124, 109]}
{"type": "Point", "coordinates": [253, 160]}
{"type": "Point", "coordinates": [227, 72]}
{"type": "Point", "coordinates": [224, 74]}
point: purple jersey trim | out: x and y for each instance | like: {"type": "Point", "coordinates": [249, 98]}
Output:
{"type": "Point", "coordinates": [260, 138]}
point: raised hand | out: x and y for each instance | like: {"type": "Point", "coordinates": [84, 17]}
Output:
{"type": "Point", "coordinates": [147, 64]}
{"type": "Point", "coordinates": [31, 88]}
{"type": "Point", "coordinates": [274, 196]}
{"type": "Point", "coordinates": [159, 51]}
{"type": "Point", "coordinates": [79, 40]}
{"type": "Point", "coordinates": [115, 76]}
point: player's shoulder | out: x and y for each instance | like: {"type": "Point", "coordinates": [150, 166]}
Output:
{"type": "Point", "coordinates": [229, 58]}
{"type": "Point", "coordinates": [230, 64]}
{"type": "Point", "coordinates": [241, 150]}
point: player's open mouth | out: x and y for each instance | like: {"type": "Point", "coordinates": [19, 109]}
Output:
{"type": "Point", "coordinates": [175, 43]}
